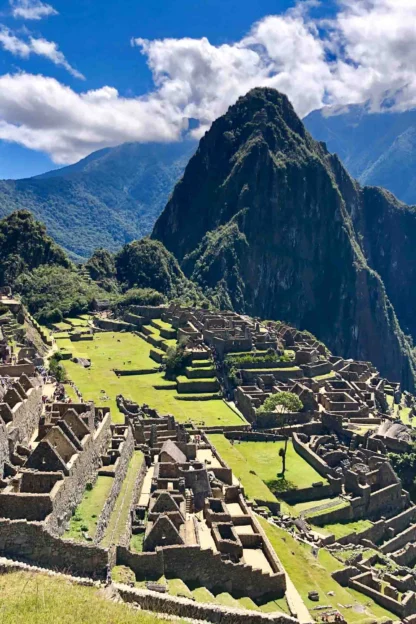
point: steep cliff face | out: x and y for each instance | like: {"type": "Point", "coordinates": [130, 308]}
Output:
{"type": "Point", "coordinates": [259, 221]}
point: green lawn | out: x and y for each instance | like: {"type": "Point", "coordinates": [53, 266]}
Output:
{"type": "Point", "coordinates": [76, 322]}
{"type": "Point", "coordinates": [253, 485]}
{"type": "Point", "coordinates": [88, 511]}
{"type": "Point", "coordinates": [71, 393]}
{"type": "Point", "coordinates": [62, 326]}
{"type": "Point", "coordinates": [308, 572]}
{"type": "Point", "coordinates": [118, 519]}
{"type": "Point", "coordinates": [264, 459]}
{"type": "Point", "coordinates": [340, 529]}
{"type": "Point", "coordinates": [162, 324]}
{"type": "Point", "coordinates": [136, 542]}
{"type": "Point", "coordinates": [42, 599]}
{"type": "Point", "coordinates": [329, 375]}
{"type": "Point", "coordinates": [124, 350]}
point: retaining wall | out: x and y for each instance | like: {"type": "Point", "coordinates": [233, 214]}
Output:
{"type": "Point", "coordinates": [182, 607]}
{"type": "Point", "coordinates": [312, 458]}
{"type": "Point", "coordinates": [119, 476]}
{"type": "Point", "coordinates": [30, 542]}
{"type": "Point", "coordinates": [191, 564]}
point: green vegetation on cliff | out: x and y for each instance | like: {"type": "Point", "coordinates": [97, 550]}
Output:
{"type": "Point", "coordinates": [37, 269]}
{"type": "Point", "coordinates": [268, 223]}
{"type": "Point", "coordinates": [24, 246]}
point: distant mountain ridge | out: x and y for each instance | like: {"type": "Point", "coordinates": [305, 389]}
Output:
{"type": "Point", "coordinates": [266, 221]}
{"type": "Point", "coordinates": [378, 149]}
{"type": "Point", "coordinates": [106, 200]}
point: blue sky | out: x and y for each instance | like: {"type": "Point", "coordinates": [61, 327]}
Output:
{"type": "Point", "coordinates": [95, 35]}
{"type": "Point", "coordinates": [78, 75]}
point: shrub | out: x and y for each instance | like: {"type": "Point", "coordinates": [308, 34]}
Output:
{"type": "Point", "coordinates": [176, 360]}
{"type": "Point", "coordinates": [141, 296]}
{"type": "Point", "coordinates": [56, 369]}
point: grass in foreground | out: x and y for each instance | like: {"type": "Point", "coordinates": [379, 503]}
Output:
{"type": "Point", "coordinates": [124, 350]}
{"type": "Point", "coordinates": [41, 599]}
{"type": "Point", "coordinates": [264, 459]}
{"type": "Point", "coordinates": [253, 485]}
{"type": "Point", "coordinates": [118, 518]}
{"type": "Point", "coordinates": [308, 572]}
{"type": "Point", "coordinates": [88, 511]}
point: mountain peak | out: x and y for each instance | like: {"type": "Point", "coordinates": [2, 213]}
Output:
{"type": "Point", "coordinates": [262, 220]}
{"type": "Point", "coordinates": [260, 108]}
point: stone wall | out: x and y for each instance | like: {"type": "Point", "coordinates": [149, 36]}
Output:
{"type": "Point", "coordinates": [113, 325]}
{"type": "Point", "coordinates": [26, 415]}
{"type": "Point", "coordinates": [120, 472]}
{"type": "Point", "coordinates": [401, 521]}
{"type": "Point", "coordinates": [4, 446]}
{"type": "Point", "coordinates": [406, 536]}
{"type": "Point", "coordinates": [400, 609]}
{"type": "Point", "coordinates": [83, 470]}
{"type": "Point", "coordinates": [344, 514]}
{"type": "Point", "coordinates": [15, 370]}
{"type": "Point", "coordinates": [374, 534]}
{"type": "Point", "coordinates": [312, 458]}
{"type": "Point", "coordinates": [198, 386]}
{"type": "Point", "coordinates": [126, 535]}
{"type": "Point", "coordinates": [146, 565]}
{"type": "Point", "coordinates": [307, 494]}
{"type": "Point", "coordinates": [191, 564]}
{"type": "Point", "coordinates": [30, 542]}
{"type": "Point", "coordinates": [182, 607]}
{"type": "Point", "coordinates": [134, 319]}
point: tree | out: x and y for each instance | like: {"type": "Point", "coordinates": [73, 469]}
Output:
{"type": "Point", "coordinates": [282, 402]}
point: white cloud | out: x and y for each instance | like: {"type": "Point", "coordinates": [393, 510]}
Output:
{"type": "Point", "coordinates": [49, 49]}
{"type": "Point", "coordinates": [42, 114]}
{"type": "Point", "coordinates": [38, 46]}
{"type": "Point", "coordinates": [364, 51]}
{"type": "Point", "coordinates": [31, 9]}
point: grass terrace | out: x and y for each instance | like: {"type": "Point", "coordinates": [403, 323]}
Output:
{"type": "Point", "coordinates": [116, 350]}
{"type": "Point", "coordinates": [341, 529]}
{"type": "Point", "coordinates": [263, 458]}
{"type": "Point", "coordinates": [118, 519]}
{"type": "Point", "coordinates": [77, 322]}
{"type": "Point", "coordinates": [62, 326]}
{"type": "Point", "coordinates": [42, 599]}
{"type": "Point", "coordinates": [177, 587]}
{"type": "Point", "coordinates": [88, 511]}
{"type": "Point", "coordinates": [254, 487]}
{"type": "Point", "coordinates": [329, 375]}
{"type": "Point", "coordinates": [308, 572]}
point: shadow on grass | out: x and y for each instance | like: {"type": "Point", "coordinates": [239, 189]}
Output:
{"type": "Point", "coordinates": [280, 485]}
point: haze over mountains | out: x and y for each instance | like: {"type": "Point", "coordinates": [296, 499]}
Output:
{"type": "Point", "coordinates": [378, 149]}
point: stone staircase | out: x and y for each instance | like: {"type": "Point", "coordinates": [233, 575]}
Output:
{"type": "Point", "coordinates": [189, 499]}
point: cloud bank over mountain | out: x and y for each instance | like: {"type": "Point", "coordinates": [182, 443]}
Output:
{"type": "Point", "coordinates": [363, 51]}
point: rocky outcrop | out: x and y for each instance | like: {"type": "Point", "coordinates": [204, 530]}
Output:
{"type": "Point", "coordinates": [269, 223]}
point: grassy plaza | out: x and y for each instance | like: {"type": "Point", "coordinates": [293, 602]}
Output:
{"type": "Point", "coordinates": [124, 351]}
